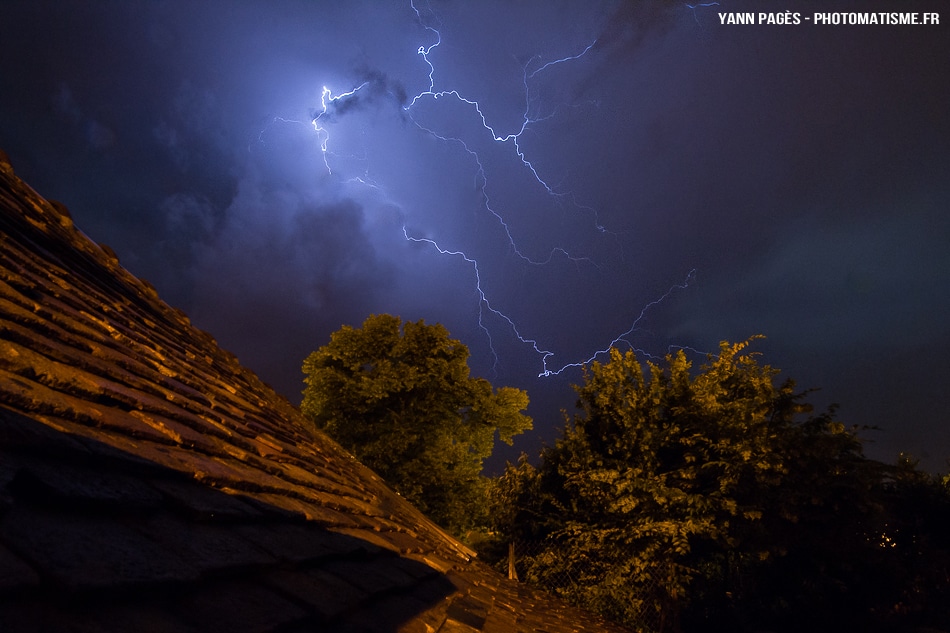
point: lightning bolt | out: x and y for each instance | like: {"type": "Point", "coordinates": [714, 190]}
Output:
{"type": "Point", "coordinates": [483, 303]}
{"type": "Point", "coordinates": [327, 97]}
{"type": "Point", "coordinates": [701, 5]}
{"type": "Point", "coordinates": [622, 337]}
{"type": "Point", "coordinates": [526, 120]}
{"type": "Point", "coordinates": [531, 70]}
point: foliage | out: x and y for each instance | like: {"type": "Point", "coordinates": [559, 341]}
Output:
{"type": "Point", "coordinates": [708, 499]}
{"type": "Point", "coordinates": [400, 397]}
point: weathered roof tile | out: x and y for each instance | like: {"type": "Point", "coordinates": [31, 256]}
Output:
{"type": "Point", "coordinates": [370, 577]}
{"type": "Point", "coordinates": [239, 607]}
{"type": "Point", "coordinates": [205, 504]}
{"type": "Point", "coordinates": [303, 543]}
{"type": "Point", "coordinates": [68, 485]}
{"type": "Point", "coordinates": [37, 616]}
{"type": "Point", "coordinates": [468, 611]}
{"type": "Point", "coordinates": [15, 573]}
{"type": "Point", "coordinates": [323, 593]}
{"type": "Point", "coordinates": [79, 552]}
{"type": "Point", "coordinates": [209, 548]}
{"type": "Point", "coordinates": [398, 609]}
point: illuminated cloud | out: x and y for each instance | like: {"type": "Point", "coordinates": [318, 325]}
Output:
{"type": "Point", "coordinates": [796, 170]}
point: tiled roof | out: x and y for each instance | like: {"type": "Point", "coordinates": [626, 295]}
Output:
{"type": "Point", "coordinates": [148, 482]}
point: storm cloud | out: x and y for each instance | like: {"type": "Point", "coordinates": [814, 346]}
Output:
{"type": "Point", "coordinates": [792, 178]}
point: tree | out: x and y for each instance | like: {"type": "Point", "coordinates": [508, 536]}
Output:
{"type": "Point", "coordinates": [706, 496]}
{"type": "Point", "coordinates": [400, 397]}
{"type": "Point", "coordinates": [656, 463]}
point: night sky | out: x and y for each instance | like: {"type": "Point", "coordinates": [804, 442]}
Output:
{"type": "Point", "coordinates": [667, 181]}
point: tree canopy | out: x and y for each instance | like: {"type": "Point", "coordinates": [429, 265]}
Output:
{"type": "Point", "coordinates": [717, 495]}
{"type": "Point", "coordinates": [400, 397]}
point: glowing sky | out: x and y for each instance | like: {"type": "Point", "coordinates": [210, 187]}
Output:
{"type": "Point", "coordinates": [797, 177]}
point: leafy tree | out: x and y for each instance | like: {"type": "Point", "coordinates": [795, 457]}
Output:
{"type": "Point", "coordinates": [914, 542]}
{"type": "Point", "coordinates": [656, 463]}
{"type": "Point", "coordinates": [706, 496]}
{"type": "Point", "coordinates": [399, 396]}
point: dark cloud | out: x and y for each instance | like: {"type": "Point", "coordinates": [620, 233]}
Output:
{"type": "Point", "coordinates": [375, 87]}
{"type": "Point", "coordinates": [281, 274]}
{"type": "Point", "coordinates": [801, 171]}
